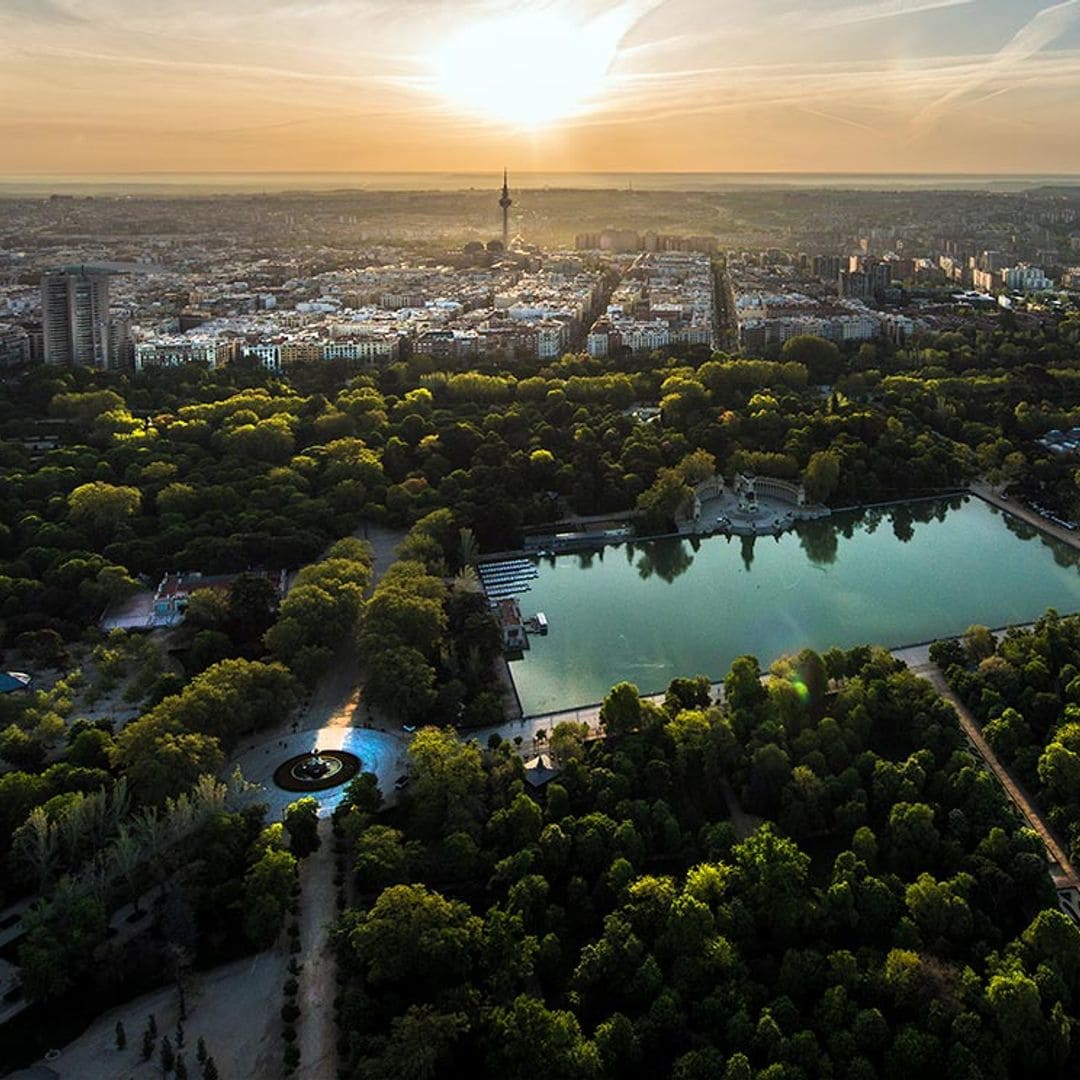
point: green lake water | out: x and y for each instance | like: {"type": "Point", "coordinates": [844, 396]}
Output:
{"type": "Point", "coordinates": [648, 612]}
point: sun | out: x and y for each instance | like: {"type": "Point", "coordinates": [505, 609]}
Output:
{"type": "Point", "coordinates": [527, 70]}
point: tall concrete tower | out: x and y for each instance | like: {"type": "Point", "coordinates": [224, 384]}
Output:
{"type": "Point", "coordinates": [75, 317]}
{"type": "Point", "coordinates": [506, 202]}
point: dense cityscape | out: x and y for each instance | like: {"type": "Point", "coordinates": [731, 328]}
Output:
{"type": "Point", "coordinates": [157, 299]}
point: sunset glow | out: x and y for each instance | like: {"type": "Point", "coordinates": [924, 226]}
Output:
{"type": "Point", "coordinates": [881, 86]}
{"type": "Point", "coordinates": [524, 71]}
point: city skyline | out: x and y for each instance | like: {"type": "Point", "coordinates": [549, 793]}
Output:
{"type": "Point", "coordinates": [892, 86]}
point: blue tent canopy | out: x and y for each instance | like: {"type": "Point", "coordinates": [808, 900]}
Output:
{"type": "Point", "coordinates": [13, 680]}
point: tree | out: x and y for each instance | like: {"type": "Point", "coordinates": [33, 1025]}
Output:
{"type": "Point", "coordinates": [1013, 998]}
{"type": "Point", "coordinates": [621, 711]}
{"type": "Point", "coordinates": [915, 839]}
{"type": "Point", "coordinates": [770, 770]}
{"type": "Point", "coordinates": [468, 548]}
{"type": "Point", "coordinates": [252, 603]}
{"type": "Point", "coordinates": [407, 609]}
{"type": "Point", "coordinates": [683, 693]}
{"type": "Point", "coordinates": [567, 742]}
{"type": "Point", "coordinates": [401, 681]}
{"type": "Point", "coordinates": [85, 407]}
{"type": "Point", "coordinates": [322, 608]}
{"type": "Point", "coordinates": [447, 793]}
{"type": "Point", "coordinates": [420, 1046]}
{"type": "Point", "coordinates": [20, 748]}
{"type": "Point", "coordinates": [738, 1068]}
{"type": "Point", "coordinates": [821, 476]}
{"type": "Point", "coordinates": [160, 759]}
{"type": "Point", "coordinates": [1052, 938]}
{"type": "Point", "coordinates": [43, 647]}
{"type": "Point", "coordinates": [267, 887]}
{"type": "Point", "coordinates": [669, 498]}
{"type": "Point", "coordinates": [302, 825]}
{"type": "Point", "coordinates": [168, 1055]}
{"type": "Point", "coordinates": [743, 692]}
{"type": "Point", "coordinates": [102, 507]}
{"type": "Point", "coordinates": [207, 609]}
{"type": "Point", "coordinates": [821, 358]}
{"type": "Point", "coordinates": [90, 748]}
{"type": "Point", "coordinates": [697, 466]}
{"type": "Point", "coordinates": [528, 1040]}
{"type": "Point", "coordinates": [35, 847]}
{"type": "Point", "coordinates": [209, 647]}
{"type": "Point", "coordinates": [166, 750]}
{"type": "Point", "coordinates": [618, 1045]}
{"type": "Point", "coordinates": [379, 858]}
{"type": "Point", "coordinates": [363, 793]}
{"type": "Point", "coordinates": [979, 643]}
{"type": "Point", "coordinates": [234, 696]}
{"type": "Point", "coordinates": [410, 934]}
{"type": "Point", "coordinates": [1059, 772]}
{"type": "Point", "coordinates": [771, 873]}
{"type": "Point", "coordinates": [58, 946]}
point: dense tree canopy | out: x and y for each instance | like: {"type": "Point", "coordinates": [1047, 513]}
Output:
{"type": "Point", "coordinates": [887, 911]}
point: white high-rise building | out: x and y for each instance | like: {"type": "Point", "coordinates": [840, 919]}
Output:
{"type": "Point", "coordinates": [1026, 279]}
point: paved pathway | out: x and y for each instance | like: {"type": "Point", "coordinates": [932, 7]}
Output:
{"type": "Point", "coordinates": [1064, 875]}
{"type": "Point", "coordinates": [993, 496]}
{"type": "Point", "coordinates": [379, 752]}
{"type": "Point", "coordinates": [528, 726]}
{"type": "Point", "coordinates": [315, 1030]}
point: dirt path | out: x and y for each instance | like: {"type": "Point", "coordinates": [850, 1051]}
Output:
{"type": "Point", "coordinates": [742, 822]}
{"type": "Point", "coordinates": [1065, 876]}
{"type": "Point", "coordinates": [316, 1033]}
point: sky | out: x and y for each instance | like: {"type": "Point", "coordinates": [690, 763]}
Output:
{"type": "Point", "coordinates": [914, 86]}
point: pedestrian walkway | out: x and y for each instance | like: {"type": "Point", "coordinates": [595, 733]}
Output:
{"type": "Point", "coordinates": [1064, 875]}
{"type": "Point", "coordinates": [995, 498]}
{"type": "Point", "coordinates": [315, 1028]}
{"type": "Point", "coordinates": [529, 727]}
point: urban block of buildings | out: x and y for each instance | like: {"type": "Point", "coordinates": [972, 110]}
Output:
{"type": "Point", "coordinates": [664, 299]}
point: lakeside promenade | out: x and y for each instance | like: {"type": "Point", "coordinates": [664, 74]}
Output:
{"type": "Point", "coordinates": [994, 497]}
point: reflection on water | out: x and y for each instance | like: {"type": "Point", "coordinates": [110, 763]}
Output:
{"type": "Point", "coordinates": [894, 575]}
{"type": "Point", "coordinates": [664, 559]}
{"type": "Point", "coordinates": [748, 551]}
{"type": "Point", "coordinates": [820, 539]}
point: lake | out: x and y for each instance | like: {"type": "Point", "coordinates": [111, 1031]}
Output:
{"type": "Point", "coordinates": [648, 612]}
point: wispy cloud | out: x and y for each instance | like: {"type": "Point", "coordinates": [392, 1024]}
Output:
{"type": "Point", "coordinates": [883, 9]}
{"type": "Point", "coordinates": [687, 80]}
{"type": "Point", "coordinates": [1043, 29]}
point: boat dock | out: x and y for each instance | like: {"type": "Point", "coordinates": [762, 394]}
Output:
{"type": "Point", "coordinates": [507, 577]}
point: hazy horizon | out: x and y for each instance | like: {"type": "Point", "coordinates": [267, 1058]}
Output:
{"type": "Point", "coordinates": [281, 181]}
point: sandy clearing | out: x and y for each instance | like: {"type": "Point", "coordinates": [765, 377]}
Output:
{"type": "Point", "coordinates": [234, 1008]}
